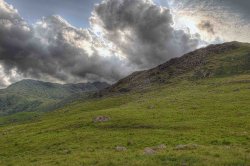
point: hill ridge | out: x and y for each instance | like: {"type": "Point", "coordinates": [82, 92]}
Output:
{"type": "Point", "coordinates": [199, 62]}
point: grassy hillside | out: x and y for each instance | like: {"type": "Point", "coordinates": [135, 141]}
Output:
{"type": "Point", "coordinates": [196, 120]}
{"type": "Point", "coordinates": [213, 114]}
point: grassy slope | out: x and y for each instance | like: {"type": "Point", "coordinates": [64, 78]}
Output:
{"type": "Point", "coordinates": [212, 113]}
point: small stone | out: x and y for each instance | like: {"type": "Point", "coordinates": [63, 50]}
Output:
{"type": "Point", "coordinates": [180, 147]}
{"type": "Point", "coordinates": [186, 147]}
{"type": "Point", "coordinates": [120, 148]}
{"type": "Point", "coordinates": [149, 151]}
{"type": "Point", "coordinates": [160, 147]}
{"type": "Point", "coordinates": [101, 119]}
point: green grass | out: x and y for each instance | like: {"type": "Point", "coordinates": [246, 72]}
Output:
{"type": "Point", "coordinates": [20, 117]}
{"type": "Point", "coordinates": [211, 113]}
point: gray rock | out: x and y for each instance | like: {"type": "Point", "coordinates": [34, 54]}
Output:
{"type": "Point", "coordinates": [159, 147]}
{"type": "Point", "coordinates": [120, 148]}
{"type": "Point", "coordinates": [101, 119]}
{"type": "Point", "coordinates": [149, 151]}
{"type": "Point", "coordinates": [186, 147]}
{"type": "Point", "coordinates": [154, 149]}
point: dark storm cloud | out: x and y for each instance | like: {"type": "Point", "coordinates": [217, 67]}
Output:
{"type": "Point", "coordinates": [134, 34]}
{"type": "Point", "coordinates": [206, 26]}
{"type": "Point", "coordinates": [52, 49]}
{"type": "Point", "coordinates": [142, 31]}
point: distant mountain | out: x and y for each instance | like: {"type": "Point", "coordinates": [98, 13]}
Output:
{"type": "Point", "coordinates": [52, 90]}
{"type": "Point", "coordinates": [32, 95]}
{"type": "Point", "coordinates": [213, 61]}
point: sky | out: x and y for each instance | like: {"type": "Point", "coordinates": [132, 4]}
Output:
{"type": "Point", "coordinates": [76, 12]}
{"type": "Point", "coordinates": [71, 41]}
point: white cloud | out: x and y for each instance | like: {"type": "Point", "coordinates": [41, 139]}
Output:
{"type": "Point", "coordinates": [142, 31]}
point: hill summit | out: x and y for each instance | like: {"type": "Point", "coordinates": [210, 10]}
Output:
{"type": "Point", "coordinates": [212, 61]}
